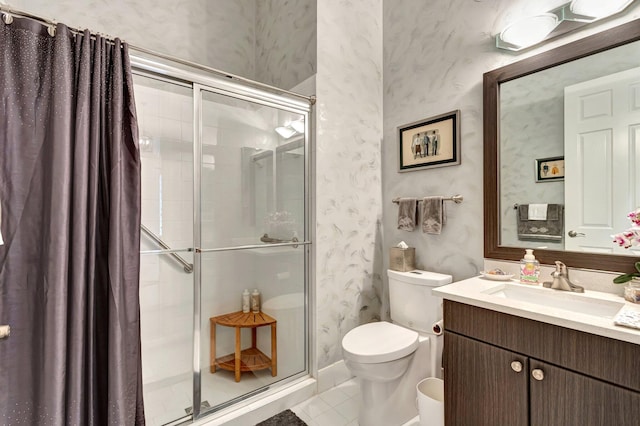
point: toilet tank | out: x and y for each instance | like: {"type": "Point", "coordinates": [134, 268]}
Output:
{"type": "Point", "coordinates": [411, 302]}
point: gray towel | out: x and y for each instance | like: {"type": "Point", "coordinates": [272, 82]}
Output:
{"type": "Point", "coordinates": [433, 216]}
{"type": "Point", "coordinates": [551, 229]}
{"type": "Point", "coordinates": [407, 214]}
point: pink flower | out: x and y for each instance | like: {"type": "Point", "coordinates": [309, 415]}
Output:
{"type": "Point", "coordinates": [634, 216]}
{"type": "Point", "coordinates": [630, 237]}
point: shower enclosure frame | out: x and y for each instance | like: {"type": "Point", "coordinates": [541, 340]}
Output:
{"type": "Point", "coordinates": [200, 83]}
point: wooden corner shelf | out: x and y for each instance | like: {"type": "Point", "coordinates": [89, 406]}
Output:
{"type": "Point", "coordinates": [250, 359]}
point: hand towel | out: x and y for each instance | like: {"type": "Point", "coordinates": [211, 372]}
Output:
{"type": "Point", "coordinates": [628, 317]}
{"type": "Point", "coordinates": [407, 214]}
{"type": "Point", "coordinates": [537, 212]}
{"type": "Point", "coordinates": [433, 215]}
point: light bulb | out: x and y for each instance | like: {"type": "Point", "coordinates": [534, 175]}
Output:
{"type": "Point", "coordinates": [530, 31]}
{"type": "Point", "coordinates": [598, 8]}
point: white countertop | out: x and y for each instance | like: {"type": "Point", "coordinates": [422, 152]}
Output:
{"type": "Point", "coordinates": [478, 291]}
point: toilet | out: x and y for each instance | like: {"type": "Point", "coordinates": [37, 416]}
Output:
{"type": "Point", "coordinates": [390, 358]}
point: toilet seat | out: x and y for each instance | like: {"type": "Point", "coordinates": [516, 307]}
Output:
{"type": "Point", "coordinates": [378, 342]}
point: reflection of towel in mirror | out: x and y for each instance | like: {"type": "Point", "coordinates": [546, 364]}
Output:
{"type": "Point", "coordinates": [433, 216]}
{"type": "Point", "coordinates": [538, 211]}
{"type": "Point", "coordinates": [550, 229]}
{"type": "Point", "coordinates": [407, 214]}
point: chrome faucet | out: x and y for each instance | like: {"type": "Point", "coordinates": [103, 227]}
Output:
{"type": "Point", "coordinates": [561, 280]}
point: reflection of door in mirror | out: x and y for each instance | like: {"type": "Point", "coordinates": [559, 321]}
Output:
{"type": "Point", "coordinates": [602, 132]}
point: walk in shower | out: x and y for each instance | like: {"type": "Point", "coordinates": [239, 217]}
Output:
{"type": "Point", "coordinates": [225, 207]}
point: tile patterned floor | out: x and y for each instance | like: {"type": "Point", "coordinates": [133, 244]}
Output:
{"type": "Point", "coordinates": [335, 407]}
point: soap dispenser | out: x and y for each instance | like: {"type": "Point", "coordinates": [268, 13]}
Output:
{"type": "Point", "coordinates": [529, 268]}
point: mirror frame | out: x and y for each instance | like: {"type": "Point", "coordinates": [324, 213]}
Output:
{"type": "Point", "coordinates": [609, 39]}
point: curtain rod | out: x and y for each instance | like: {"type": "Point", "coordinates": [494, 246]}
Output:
{"type": "Point", "coordinates": [9, 13]}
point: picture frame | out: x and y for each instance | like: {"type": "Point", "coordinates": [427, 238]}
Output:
{"type": "Point", "coordinates": [550, 169]}
{"type": "Point", "coordinates": [430, 143]}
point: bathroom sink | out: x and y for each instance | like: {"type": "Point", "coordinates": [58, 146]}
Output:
{"type": "Point", "coordinates": [555, 299]}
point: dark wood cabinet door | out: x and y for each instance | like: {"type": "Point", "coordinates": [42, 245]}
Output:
{"type": "Point", "coordinates": [565, 398]}
{"type": "Point", "coordinates": [481, 387]}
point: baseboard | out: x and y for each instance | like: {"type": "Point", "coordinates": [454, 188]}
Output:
{"type": "Point", "coordinates": [263, 406]}
{"type": "Point", "coordinates": [333, 375]}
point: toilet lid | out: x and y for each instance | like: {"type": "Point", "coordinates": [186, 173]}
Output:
{"type": "Point", "coordinates": [379, 342]}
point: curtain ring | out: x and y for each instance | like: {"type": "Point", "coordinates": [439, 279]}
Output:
{"type": "Point", "coordinates": [51, 29]}
{"type": "Point", "coordinates": [7, 18]}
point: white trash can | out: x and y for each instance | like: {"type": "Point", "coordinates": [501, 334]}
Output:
{"type": "Point", "coordinates": [430, 401]}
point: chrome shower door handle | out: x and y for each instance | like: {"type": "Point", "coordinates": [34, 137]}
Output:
{"type": "Point", "coordinates": [574, 234]}
{"type": "Point", "coordinates": [5, 331]}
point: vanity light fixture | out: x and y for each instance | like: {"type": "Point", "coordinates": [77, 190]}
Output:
{"type": "Point", "coordinates": [535, 29]}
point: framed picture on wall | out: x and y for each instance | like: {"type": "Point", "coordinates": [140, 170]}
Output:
{"type": "Point", "coordinates": [549, 169]}
{"type": "Point", "coordinates": [433, 142]}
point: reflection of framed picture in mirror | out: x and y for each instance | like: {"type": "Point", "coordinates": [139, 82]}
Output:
{"type": "Point", "coordinates": [549, 169]}
{"type": "Point", "coordinates": [434, 142]}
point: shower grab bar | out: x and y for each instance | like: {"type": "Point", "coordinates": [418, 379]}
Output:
{"type": "Point", "coordinates": [188, 267]}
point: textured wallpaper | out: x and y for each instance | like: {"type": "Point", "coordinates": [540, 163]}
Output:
{"type": "Point", "coordinates": [348, 186]}
{"type": "Point", "coordinates": [285, 41]}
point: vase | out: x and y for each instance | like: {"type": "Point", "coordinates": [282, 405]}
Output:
{"type": "Point", "coordinates": [632, 290]}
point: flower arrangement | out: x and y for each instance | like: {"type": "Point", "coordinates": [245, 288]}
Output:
{"type": "Point", "coordinates": [626, 239]}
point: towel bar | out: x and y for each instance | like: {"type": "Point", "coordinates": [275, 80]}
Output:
{"type": "Point", "coordinates": [455, 198]}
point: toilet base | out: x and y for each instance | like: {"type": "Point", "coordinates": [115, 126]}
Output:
{"type": "Point", "coordinates": [393, 403]}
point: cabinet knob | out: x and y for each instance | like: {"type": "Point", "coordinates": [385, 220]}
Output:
{"type": "Point", "coordinates": [516, 366]}
{"type": "Point", "coordinates": [537, 374]}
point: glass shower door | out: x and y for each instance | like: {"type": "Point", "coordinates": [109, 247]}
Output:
{"type": "Point", "coordinates": [251, 167]}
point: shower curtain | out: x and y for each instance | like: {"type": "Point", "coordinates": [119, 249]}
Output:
{"type": "Point", "coordinates": [70, 196]}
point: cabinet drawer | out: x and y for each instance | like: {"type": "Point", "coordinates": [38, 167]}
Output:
{"type": "Point", "coordinates": [596, 356]}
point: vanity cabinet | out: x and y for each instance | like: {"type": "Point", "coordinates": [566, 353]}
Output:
{"type": "Point", "coordinates": [502, 369]}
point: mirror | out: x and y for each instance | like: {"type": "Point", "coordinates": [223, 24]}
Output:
{"type": "Point", "coordinates": [518, 132]}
